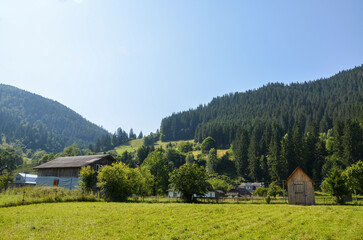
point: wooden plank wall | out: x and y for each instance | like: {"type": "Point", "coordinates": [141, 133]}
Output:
{"type": "Point", "coordinates": [299, 176]}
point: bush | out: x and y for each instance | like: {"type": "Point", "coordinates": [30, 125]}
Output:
{"type": "Point", "coordinates": [335, 185]}
{"type": "Point", "coordinates": [88, 178]}
{"type": "Point", "coordinates": [208, 144]}
{"type": "Point", "coordinates": [274, 190]}
{"type": "Point", "coordinates": [262, 191]}
{"type": "Point", "coordinates": [268, 199]}
{"type": "Point", "coordinates": [115, 182]}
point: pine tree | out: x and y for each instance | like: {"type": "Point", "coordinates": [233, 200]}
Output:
{"type": "Point", "coordinates": [253, 159]}
{"type": "Point", "coordinates": [212, 161]}
{"type": "Point", "coordinates": [240, 152]}
{"type": "Point", "coordinates": [287, 154]}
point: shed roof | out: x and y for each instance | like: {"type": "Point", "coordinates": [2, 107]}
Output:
{"type": "Point", "coordinates": [73, 162]}
{"type": "Point", "coordinates": [29, 178]}
{"type": "Point", "coordinates": [298, 169]}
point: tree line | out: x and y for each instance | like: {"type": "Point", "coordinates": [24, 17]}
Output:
{"type": "Point", "coordinates": [265, 154]}
{"type": "Point", "coordinates": [322, 103]}
{"type": "Point", "coordinates": [34, 122]}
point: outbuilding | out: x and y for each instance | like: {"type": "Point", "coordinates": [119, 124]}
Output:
{"type": "Point", "coordinates": [251, 186]}
{"type": "Point", "coordinates": [300, 188]}
{"type": "Point", "coordinates": [24, 179]}
{"type": "Point", "coordinates": [64, 171]}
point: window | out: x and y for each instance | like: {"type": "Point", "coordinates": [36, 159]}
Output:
{"type": "Point", "coordinates": [55, 182]}
{"type": "Point", "coordinates": [98, 167]}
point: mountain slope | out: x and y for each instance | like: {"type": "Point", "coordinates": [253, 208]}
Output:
{"type": "Point", "coordinates": [40, 123]}
{"type": "Point", "coordinates": [322, 102]}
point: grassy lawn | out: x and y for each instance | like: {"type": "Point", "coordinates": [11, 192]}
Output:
{"type": "Point", "coordinates": [100, 220]}
{"type": "Point", "coordinates": [133, 145]}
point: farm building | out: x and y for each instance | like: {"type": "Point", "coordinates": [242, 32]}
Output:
{"type": "Point", "coordinates": [300, 188]}
{"type": "Point", "coordinates": [251, 186]}
{"type": "Point", "coordinates": [238, 192]}
{"type": "Point", "coordinates": [24, 179]}
{"type": "Point", "coordinates": [64, 171]}
{"type": "Point", "coordinates": [210, 194]}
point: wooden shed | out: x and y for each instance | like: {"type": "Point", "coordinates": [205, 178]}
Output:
{"type": "Point", "coordinates": [300, 188]}
{"type": "Point", "coordinates": [64, 171]}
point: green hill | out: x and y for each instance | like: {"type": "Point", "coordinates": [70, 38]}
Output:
{"type": "Point", "coordinates": [36, 122]}
{"type": "Point", "coordinates": [321, 102]}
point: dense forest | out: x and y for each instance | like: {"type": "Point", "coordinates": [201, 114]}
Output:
{"type": "Point", "coordinates": [316, 125]}
{"type": "Point", "coordinates": [35, 122]}
{"type": "Point", "coordinates": [320, 103]}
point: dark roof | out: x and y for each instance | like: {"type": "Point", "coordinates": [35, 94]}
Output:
{"type": "Point", "coordinates": [239, 191]}
{"type": "Point", "coordinates": [254, 184]}
{"type": "Point", "coordinates": [76, 161]}
{"type": "Point", "coordinates": [295, 171]}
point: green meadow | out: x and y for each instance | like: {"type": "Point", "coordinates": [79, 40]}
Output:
{"type": "Point", "coordinates": [102, 220]}
{"type": "Point", "coordinates": [133, 145]}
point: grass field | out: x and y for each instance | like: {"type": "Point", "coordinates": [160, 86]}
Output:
{"type": "Point", "coordinates": [133, 145]}
{"type": "Point", "coordinates": [100, 220]}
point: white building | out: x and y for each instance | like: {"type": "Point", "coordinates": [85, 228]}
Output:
{"type": "Point", "coordinates": [25, 179]}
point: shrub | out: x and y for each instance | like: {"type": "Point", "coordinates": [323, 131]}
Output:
{"type": "Point", "coordinates": [335, 185]}
{"type": "Point", "coordinates": [268, 199]}
{"type": "Point", "coordinates": [262, 191]}
{"type": "Point", "coordinates": [208, 144]}
{"type": "Point", "coordinates": [274, 190]}
{"type": "Point", "coordinates": [115, 182]}
{"type": "Point", "coordinates": [88, 178]}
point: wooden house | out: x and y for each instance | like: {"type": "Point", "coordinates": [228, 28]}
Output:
{"type": "Point", "coordinates": [64, 171]}
{"type": "Point", "coordinates": [300, 188]}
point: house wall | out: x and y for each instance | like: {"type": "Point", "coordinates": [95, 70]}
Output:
{"type": "Point", "coordinates": [300, 182]}
{"type": "Point", "coordinates": [66, 182]}
{"type": "Point", "coordinates": [59, 172]}
{"type": "Point", "coordinates": [174, 194]}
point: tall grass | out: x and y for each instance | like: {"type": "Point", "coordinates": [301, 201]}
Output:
{"type": "Point", "coordinates": [30, 195]}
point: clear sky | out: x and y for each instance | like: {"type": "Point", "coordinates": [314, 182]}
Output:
{"type": "Point", "coordinates": [130, 63]}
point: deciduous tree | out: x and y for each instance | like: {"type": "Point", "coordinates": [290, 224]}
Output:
{"type": "Point", "coordinates": [189, 179]}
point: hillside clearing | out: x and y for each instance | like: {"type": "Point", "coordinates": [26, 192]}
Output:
{"type": "Point", "coordinates": [133, 145]}
{"type": "Point", "coordinates": [179, 221]}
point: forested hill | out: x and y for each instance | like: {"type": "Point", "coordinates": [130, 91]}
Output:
{"type": "Point", "coordinates": [321, 102]}
{"type": "Point", "coordinates": [39, 123]}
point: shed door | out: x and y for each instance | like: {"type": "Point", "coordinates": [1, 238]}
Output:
{"type": "Point", "coordinates": [299, 188]}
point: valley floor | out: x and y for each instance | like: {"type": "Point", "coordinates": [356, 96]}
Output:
{"type": "Point", "coordinates": [101, 220]}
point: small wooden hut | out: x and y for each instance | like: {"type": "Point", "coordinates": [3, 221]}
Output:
{"type": "Point", "coordinates": [300, 188]}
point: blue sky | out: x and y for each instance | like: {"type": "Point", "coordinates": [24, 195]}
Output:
{"type": "Point", "coordinates": [128, 64]}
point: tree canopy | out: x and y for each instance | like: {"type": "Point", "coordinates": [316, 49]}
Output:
{"type": "Point", "coordinates": [189, 179]}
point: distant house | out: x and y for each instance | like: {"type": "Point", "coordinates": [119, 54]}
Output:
{"type": "Point", "coordinates": [173, 194]}
{"type": "Point", "coordinates": [251, 186]}
{"type": "Point", "coordinates": [24, 179]}
{"type": "Point", "coordinates": [64, 171]}
{"type": "Point", "coordinates": [300, 188]}
{"type": "Point", "coordinates": [210, 194]}
{"type": "Point", "coordinates": [238, 192]}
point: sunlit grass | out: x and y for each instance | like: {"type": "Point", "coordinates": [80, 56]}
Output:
{"type": "Point", "coordinates": [133, 145]}
{"type": "Point", "coordinates": [31, 195]}
{"type": "Point", "coordinates": [101, 220]}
